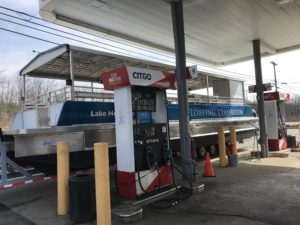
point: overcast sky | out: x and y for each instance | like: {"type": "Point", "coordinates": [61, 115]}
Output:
{"type": "Point", "coordinates": [17, 51]}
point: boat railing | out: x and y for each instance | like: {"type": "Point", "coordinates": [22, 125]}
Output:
{"type": "Point", "coordinates": [46, 99]}
{"type": "Point", "coordinates": [93, 94]}
{"type": "Point", "coordinates": [204, 99]}
{"type": "Point", "coordinates": [81, 93]}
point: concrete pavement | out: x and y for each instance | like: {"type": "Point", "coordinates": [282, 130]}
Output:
{"type": "Point", "coordinates": [257, 192]}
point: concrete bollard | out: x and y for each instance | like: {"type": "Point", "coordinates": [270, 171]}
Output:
{"type": "Point", "coordinates": [63, 173]}
{"type": "Point", "coordinates": [102, 184]}
{"type": "Point", "coordinates": [233, 140]}
{"type": "Point", "coordinates": [222, 147]}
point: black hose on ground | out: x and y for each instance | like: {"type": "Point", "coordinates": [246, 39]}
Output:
{"type": "Point", "coordinates": [170, 202]}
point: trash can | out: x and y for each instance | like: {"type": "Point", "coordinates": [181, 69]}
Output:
{"type": "Point", "coordinates": [291, 141]}
{"type": "Point", "coordinates": [82, 197]}
{"type": "Point", "coordinates": [233, 160]}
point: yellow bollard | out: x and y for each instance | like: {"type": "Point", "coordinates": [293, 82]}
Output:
{"type": "Point", "coordinates": [233, 140]}
{"type": "Point", "coordinates": [222, 148]}
{"type": "Point", "coordinates": [102, 184]}
{"type": "Point", "coordinates": [63, 178]}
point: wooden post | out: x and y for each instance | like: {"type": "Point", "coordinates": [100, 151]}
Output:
{"type": "Point", "coordinates": [63, 178]}
{"type": "Point", "coordinates": [102, 184]}
{"type": "Point", "coordinates": [222, 148]}
{"type": "Point", "coordinates": [233, 140]}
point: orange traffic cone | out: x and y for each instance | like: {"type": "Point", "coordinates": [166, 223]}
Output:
{"type": "Point", "coordinates": [208, 170]}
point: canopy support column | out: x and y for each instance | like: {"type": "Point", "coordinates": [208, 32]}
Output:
{"type": "Point", "coordinates": [185, 140]}
{"type": "Point", "coordinates": [260, 99]}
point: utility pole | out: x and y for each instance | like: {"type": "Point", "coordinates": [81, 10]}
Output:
{"type": "Point", "coordinates": [275, 78]}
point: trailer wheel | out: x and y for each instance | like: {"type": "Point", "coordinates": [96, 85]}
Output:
{"type": "Point", "coordinates": [202, 152]}
{"type": "Point", "coordinates": [213, 150]}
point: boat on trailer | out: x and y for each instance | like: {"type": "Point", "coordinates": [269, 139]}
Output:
{"type": "Point", "coordinates": [84, 115]}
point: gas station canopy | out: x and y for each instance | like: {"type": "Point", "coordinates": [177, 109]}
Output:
{"type": "Point", "coordinates": [217, 32]}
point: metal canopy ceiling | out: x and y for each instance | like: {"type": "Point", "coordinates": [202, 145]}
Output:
{"type": "Point", "coordinates": [88, 64]}
{"type": "Point", "coordinates": [217, 32]}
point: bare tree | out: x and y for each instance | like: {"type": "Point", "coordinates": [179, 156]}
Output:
{"type": "Point", "coordinates": [10, 93]}
{"type": "Point", "coordinates": [8, 99]}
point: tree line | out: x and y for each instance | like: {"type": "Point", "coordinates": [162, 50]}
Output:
{"type": "Point", "coordinates": [11, 89]}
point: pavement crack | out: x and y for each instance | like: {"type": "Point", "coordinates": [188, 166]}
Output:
{"type": "Point", "coordinates": [25, 202]}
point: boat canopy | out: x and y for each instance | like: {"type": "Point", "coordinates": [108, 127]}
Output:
{"type": "Point", "coordinates": [88, 64]}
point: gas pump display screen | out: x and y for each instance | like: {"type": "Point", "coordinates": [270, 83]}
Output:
{"type": "Point", "coordinates": [143, 99]}
{"type": "Point", "coordinates": [143, 117]}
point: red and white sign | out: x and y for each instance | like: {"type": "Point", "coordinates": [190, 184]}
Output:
{"type": "Point", "coordinates": [128, 75]}
{"type": "Point", "coordinates": [270, 96]}
{"type": "Point", "coordinates": [277, 96]}
{"type": "Point", "coordinates": [115, 78]}
{"type": "Point", "coordinates": [266, 87]}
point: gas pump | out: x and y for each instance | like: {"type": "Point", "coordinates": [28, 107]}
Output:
{"type": "Point", "coordinates": [141, 129]}
{"type": "Point", "coordinates": [275, 120]}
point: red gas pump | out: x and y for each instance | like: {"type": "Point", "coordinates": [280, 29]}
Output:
{"type": "Point", "coordinates": [275, 120]}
